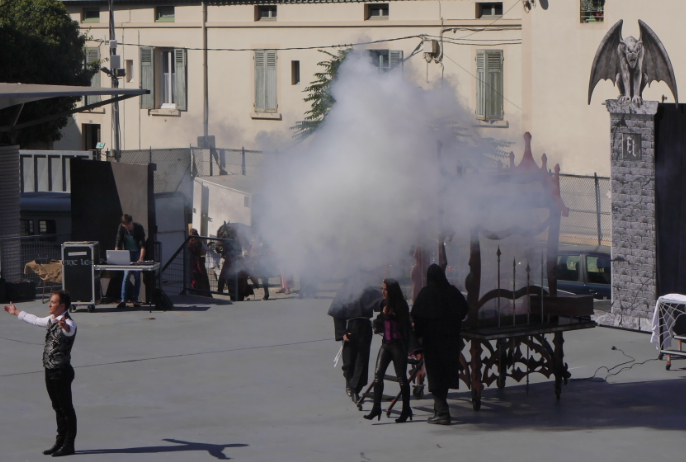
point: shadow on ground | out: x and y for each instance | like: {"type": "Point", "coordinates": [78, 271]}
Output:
{"type": "Point", "coordinates": [214, 450]}
{"type": "Point", "coordinates": [583, 405]}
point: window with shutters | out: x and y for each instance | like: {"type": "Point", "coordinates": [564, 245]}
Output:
{"type": "Point", "coordinates": [164, 73]}
{"type": "Point", "coordinates": [92, 58]}
{"type": "Point", "coordinates": [386, 60]}
{"type": "Point", "coordinates": [592, 11]}
{"type": "Point", "coordinates": [265, 81]}
{"type": "Point", "coordinates": [489, 87]}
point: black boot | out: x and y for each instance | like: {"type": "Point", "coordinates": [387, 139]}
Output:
{"type": "Point", "coordinates": [59, 441]}
{"type": "Point", "coordinates": [66, 450]}
{"type": "Point", "coordinates": [442, 411]}
{"type": "Point", "coordinates": [378, 394]}
{"type": "Point", "coordinates": [348, 390]}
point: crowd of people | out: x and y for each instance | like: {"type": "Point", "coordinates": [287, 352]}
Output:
{"type": "Point", "coordinates": [430, 330]}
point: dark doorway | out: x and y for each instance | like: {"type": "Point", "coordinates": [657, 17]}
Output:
{"type": "Point", "coordinates": [91, 136]}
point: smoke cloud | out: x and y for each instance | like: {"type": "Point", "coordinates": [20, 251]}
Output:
{"type": "Point", "coordinates": [370, 183]}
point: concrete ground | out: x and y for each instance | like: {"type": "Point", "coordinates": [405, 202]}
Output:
{"type": "Point", "coordinates": [254, 381]}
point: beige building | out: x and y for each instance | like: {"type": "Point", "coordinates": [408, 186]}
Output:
{"type": "Point", "coordinates": [534, 56]}
{"type": "Point", "coordinates": [261, 56]}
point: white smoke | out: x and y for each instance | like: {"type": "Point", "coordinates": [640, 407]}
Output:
{"type": "Point", "coordinates": [370, 182]}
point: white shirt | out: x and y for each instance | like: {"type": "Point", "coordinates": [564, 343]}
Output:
{"type": "Point", "coordinates": [44, 322]}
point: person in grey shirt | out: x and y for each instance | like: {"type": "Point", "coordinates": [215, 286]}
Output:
{"type": "Point", "coordinates": [59, 339]}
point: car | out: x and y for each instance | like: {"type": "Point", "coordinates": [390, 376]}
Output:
{"type": "Point", "coordinates": [585, 270]}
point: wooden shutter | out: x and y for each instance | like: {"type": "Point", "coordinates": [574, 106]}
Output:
{"type": "Point", "coordinates": [494, 63]}
{"type": "Point", "coordinates": [396, 58]}
{"type": "Point", "coordinates": [481, 84]}
{"type": "Point", "coordinates": [148, 77]}
{"type": "Point", "coordinates": [93, 55]}
{"type": "Point", "coordinates": [270, 81]}
{"type": "Point", "coordinates": [259, 81]}
{"type": "Point", "coordinates": [265, 81]}
{"type": "Point", "coordinates": [489, 89]}
{"type": "Point", "coordinates": [180, 57]}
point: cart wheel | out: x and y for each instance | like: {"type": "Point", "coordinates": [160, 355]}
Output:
{"type": "Point", "coordinates": [91, 308]}
{"type": "Point", "coordinates": [668, 366]}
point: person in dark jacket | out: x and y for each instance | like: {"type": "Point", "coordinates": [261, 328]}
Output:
{"type": "Point", "coordinates": [394, 323]}
{"type": "Point", "coordinates": [59, 374]}
{"type": "Point", "coordinates": [351, 309]}
{"type": "Point", "coordinates": [437, 314]}
{"type": "Point", "coordinates": [131, 237]}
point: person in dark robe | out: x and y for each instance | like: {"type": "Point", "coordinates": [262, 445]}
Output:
{"type": "Point", "coordinates": [394, 323]}
{"type": "Point", "coordinates": [200, 282]}
{"type": "Point", "coordinates": [437, 314]}
{"type": "Point", "coordinates": [351, 309]}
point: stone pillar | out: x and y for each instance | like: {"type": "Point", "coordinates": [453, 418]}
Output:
{"type": "Point", "coordinates": [633, 215]}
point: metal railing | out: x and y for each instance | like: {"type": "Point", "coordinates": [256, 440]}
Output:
{"type": "Point", "coordinates": [223, 161]}
{"type": "Point", "coordinates": [15, 253]}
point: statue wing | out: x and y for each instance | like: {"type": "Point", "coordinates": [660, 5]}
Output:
{"type": "Point", "coordinates": [656, 63]}
{"type": "Point", "coordinates": [606, 63]}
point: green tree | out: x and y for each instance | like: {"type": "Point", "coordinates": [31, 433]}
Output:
{"type": "Point", "coordinates": [319, 94]}
{"type": "Point", "coordinates": [40, 44]}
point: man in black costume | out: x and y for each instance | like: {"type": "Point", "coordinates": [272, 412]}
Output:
{"type": "Point", "coordinates": [352, 309]}
{"type": "Point", "coordinates": [437, 314]}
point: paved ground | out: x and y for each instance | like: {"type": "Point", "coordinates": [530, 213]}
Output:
{"type": "Point", "coordinates": [254, 381]}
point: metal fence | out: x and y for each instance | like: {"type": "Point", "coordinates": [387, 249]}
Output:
{"type": "Point", "coordinates": [590, 216]}
{"type": "Point", "coordinates": [17, 252]}
{"type": "Point", "coordinates": [223, 161]}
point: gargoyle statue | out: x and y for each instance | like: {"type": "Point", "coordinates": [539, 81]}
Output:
{"type": "Point", "coordinates": [632, 64]}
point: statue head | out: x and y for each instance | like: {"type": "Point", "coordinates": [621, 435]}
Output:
{"type": "Point", "coordinates": [632, 49]}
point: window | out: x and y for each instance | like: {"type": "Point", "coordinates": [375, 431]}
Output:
{"type": "Point", "coordinates": [599, 270]}
{"type": "Point", "coordinates": [163, 72]}
{"type": "Point", "coordinates": [27, 228]}
{"type": "Point", "coordinates": [93, 57]}
{"type": "Point", "coordinates": [386, 60]}
{"type": "Point", "coordinates": [489, 87]}
{"type": "Point", "coordinates": [376, 11]}
{"type": "Point", "coordinates": [90, 15]}
{"type": "Point", "coordinates": [568, 267]}
{"type": "Point", "coordinates": [295, 72]}
{"type": "Point", "coordinates": [265, 81]}
{"type": "Point", "coordinates": [592, 10]}
{"type": "Point", "coordinates": [47, 227]}
{"type": "Point", "coordinates": [265, 12]}
{"type": "Point", "coordinates": [489, 10]}
{"type": "Point", "coordinates": [129, 70]}
{"type": "Point", "coordinates": [164, 14]}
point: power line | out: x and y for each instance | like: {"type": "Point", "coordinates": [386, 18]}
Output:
{"type": "Point", "coordinates": [494, 21]}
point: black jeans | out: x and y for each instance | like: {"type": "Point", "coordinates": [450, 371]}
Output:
{"type": "Point", "coordinates": [58, 382]}
{"type": "Point", "coordinates": [396, 353]}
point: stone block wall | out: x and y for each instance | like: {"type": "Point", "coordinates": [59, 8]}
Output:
{"type": "Point", "coordinates": [634, 238]}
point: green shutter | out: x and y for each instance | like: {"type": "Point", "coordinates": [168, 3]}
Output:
{"type": "Point", "coordinates": [396, 58]}
{"type": "Point", "coordinates": [495, 81]}
{"type": "Point", "coordinates": [489, 86]}
{"type": "Point", "coordinates": [148, 77]}
{"type": "Point", "coordinates": [93, 55]}
{"type": "Point", "coordinates": [259, 80]}
{"type": "Point", "coordinates": [271, 103]}
{"type": "Point", "coordinates": [180, 57]}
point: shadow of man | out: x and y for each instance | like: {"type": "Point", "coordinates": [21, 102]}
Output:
{"type": "Point", "coordinates": [215, 450]}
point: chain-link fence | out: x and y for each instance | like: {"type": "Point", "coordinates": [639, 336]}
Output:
{"type": "Point", "coordinates": [17, 252]}
{"type": "Point", "coordinates": [590, 214]}
{"type": "Point", "coordinates": [222, 161]}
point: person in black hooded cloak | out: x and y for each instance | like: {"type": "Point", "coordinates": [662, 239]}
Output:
{"type": "Point", "coordinates": [351, 309]}
{"type": "Point", "coordinates": [437, 314]}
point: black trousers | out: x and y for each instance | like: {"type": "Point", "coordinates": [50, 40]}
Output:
{"type": "Point", "coordinates": [58, 383]}
{"type": "Point", "coordinates": [396, 353]}
{"type": "Point", "coordinates": [355, 354]}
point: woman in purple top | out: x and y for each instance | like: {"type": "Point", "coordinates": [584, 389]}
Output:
{"type": "Point", "coordinates": [394, 323]}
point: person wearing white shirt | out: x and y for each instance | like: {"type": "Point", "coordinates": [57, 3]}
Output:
{"type": "Point", "coordinates": [59, 339]}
